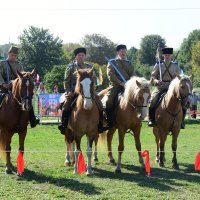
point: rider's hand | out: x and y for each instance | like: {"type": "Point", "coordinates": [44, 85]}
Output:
{"type": "Point", "coordinates": [122, 84]}
{"type": "Point", "coordinates": [158, 82]}
{"type": "Point", "coordinates": [69, 94]}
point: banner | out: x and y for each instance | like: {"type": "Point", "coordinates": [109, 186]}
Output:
{"type": "Point", "coordinates": [48, 104]}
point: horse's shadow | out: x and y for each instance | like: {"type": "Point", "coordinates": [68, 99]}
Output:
{"type": "Point", "coordinates": [69, 183]}
{"type": "Point", "coordinates": [160, 179]}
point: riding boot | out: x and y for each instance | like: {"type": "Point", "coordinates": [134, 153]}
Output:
{"type": "Point", "coordinates": [33, 120]}
{"type": "Point", "coordinates": [184, 114]}
{"type": "Point", "coordinates": [64, 121]}
{"type": "Point", "coordinates": [151, 121]}
{"type": "Point", "coordinates": [109, 118]}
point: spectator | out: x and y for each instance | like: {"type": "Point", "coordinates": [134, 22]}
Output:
{"type": "Point", "coordinates": [55, 89]}
{"type": "Point", "coordinates": [41, 89]}
{"type": "Point", "coordinates": [195, 98]}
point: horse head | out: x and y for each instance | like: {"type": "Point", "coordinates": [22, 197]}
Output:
{"type": "Point", "coordinates": [23, 89]}
{"type": "Point", "coordinates": [185, 90]}
{"type": "Point", "coordinates": [137, 92]}
{"type": "Point", "coordinates": [85, 86]}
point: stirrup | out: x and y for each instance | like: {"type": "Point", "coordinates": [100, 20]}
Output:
{"type": "Point", "coordinates": [151, 124]}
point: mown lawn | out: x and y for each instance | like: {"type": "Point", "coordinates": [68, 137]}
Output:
{"type": "Point", "coordinates": [46, 177]}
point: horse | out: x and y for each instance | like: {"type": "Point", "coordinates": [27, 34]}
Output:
{"type": "Point", "coordinates": [83, 120]}
{"type": "Point", "coordinates": [168, 117]}
{"type": "Point", "coordinates": [132, 108]}
{"type": "Point", "coordinates": [14, 114]}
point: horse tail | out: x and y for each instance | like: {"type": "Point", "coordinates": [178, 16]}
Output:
{"type": "Point", "coordinates": [102, 138]}
{"type": "Point", "coordinates": [2, 145]}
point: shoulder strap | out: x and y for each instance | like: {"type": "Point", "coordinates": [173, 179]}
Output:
{"type": "Point", "coordinates": [167, 70]}
{"type": "Point", "coordinates": [11, 70]}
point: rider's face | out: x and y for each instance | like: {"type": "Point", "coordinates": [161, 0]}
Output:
{"type": "Point", "coordinates": [12, 57]}
{"type": "Point", "coordinates": [122, 54]}
{"type": "Point", "coordinates": [80, 58]}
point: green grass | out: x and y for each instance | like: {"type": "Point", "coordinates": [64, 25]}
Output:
{"type": "Point", "coordinates": [46, 177]}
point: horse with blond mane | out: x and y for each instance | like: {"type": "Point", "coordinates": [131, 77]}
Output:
{"type": "Point", "coordinates": [131, 108]}
{"type": "Point", "coordinates": [84, 118]}
{"type": "Point", "coordinates": [14, 114]}
{"type": "Point", "coordinates": [169, 116]}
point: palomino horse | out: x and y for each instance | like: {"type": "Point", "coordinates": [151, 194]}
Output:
{"type": "Point", "coordinates": [14, 114]}
{"type": "Point", "coordinates": [131, 108]}
{"type": "Point", "coordinates": [169, 116]}
{"type": "Point", "coordinates": [84, 117]}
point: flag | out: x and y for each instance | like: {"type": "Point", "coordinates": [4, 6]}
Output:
{"type": "Point", "coordinates": [197, 162]}
{"type": "Point", "coordinates": [20, 163]}
{"type": "Point", "coordinates": [81, 163]}
{"type": "Point", "coordinates": [158, 53]}
{"type": "Point", "coordinates": [145, 153]}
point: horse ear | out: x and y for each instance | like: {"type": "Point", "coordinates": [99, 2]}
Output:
{"type": "Point", "coordinates": [19, 74]}
{"type": "Point", "coordinates": [138, 83]}
{"type": "Point", "coordinates": [33, 73]}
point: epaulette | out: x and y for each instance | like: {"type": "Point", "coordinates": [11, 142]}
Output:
{"type": "Point", "coordinates": [70, 66]}
{"type": "Point", "coordinates": [175, 62]}
{"type": "Point", "coordinates": [161, 61]}
{"type": "Point", "coordinates": [113, 59]}
{"type": "Point", "coordinates": [88, 65]}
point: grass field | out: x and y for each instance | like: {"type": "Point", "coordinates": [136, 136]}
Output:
{"type": "Point", "coordinates": [46, 177]}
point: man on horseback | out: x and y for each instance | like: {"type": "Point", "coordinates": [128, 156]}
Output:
{"type": "Point", "coordinates": [163, 73]}
{"type": "Point", "coordinates": [8, 69]}
{"type": "Point", "coordinates": [69, 86]}
{"type": "Point", "coordinates": [116, 84]}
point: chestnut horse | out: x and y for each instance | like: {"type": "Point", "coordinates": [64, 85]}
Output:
{"type": "Point", "coordinates": [84, 118]}
{"type": "Point", "coordinates": [132, 109]}
{"type": "Point", "coordinates": [14, 114]}
{"type": "Point", "coordinates": [168, 116]}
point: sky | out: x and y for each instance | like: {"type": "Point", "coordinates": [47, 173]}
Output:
{"type": "Point", "coordinates": [121, 21]}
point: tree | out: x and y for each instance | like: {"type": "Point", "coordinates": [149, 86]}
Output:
{"type": "Point", "coordinates": [55, 77]}
{"type": "Point", "coordinates": [185, 53]}
{"type": "Point", "coordinates": [40, 50]}
{"type": "Point", "coordinates": [98, 47]}
{"type": "Point", "coordinates": [196, 64]}
{"type": "Point", "coordinates": [148, 47]}
{"type": "Point", "coordinates": [132, 55]}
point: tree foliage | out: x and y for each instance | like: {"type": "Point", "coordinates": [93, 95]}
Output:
{"type": "Point", "coordinates": [98, 47]}
{"type": "Point", "coordinates": [148, 47]}
{"type": "Point", "coordinates": [132, 55]}
{"type": "Point", "coordinates": [185, 53]}
{"type": "Point", "coordinates": [55, 77]}
{"type": "Point", "coordinates": [196, 63]}
{"type": "Point", "coordinates": [40, 50]}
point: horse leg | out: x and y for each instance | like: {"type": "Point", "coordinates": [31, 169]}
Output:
{"type": "Point", "coordinates": [77, 151]}
{"type": "Point", "coordinates": [157, 145]}
{"type": "Point", "coordinates": [136, 131]}
{"type": "Point", "coordinates": [120, 150]}
{"type": "Point", "coordinates": [67, 157]}
{"type": "Point", "coordinates": [161, 153]}
{"type": "Point", "coordinates": [174, 148]}
{"type": "Point", "coordinates": [89, 155]}
{"type": "Point", "coordinates": [95, 157]}
{"type": "Point", "coordinates": [9, 165]}
{"type": "Point", "coordinates": [109, 145]}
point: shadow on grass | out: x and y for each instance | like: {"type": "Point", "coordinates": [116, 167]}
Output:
{"type": "Point", "coordinates": [162, 179]}
{"type": "Point", "coordinates": [69, 183]}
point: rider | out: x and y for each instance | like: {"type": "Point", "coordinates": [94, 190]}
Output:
{"type": "Point", "coordinates": [69, 86]}
{"type": "Point", "coordinates": [169, 70]}
{"type": "Point", "coordinates": [8, 69]}
{"type": "Point", "coordinates": [116, 84]}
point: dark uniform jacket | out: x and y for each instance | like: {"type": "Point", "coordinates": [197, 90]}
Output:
{"type": "Point", "coordinates": [70, 75]}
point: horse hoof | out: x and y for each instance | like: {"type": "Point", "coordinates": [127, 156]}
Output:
{"type": "Point", "coordinates": [67, 164]}
{"type": "Point", "coordinates": [96, 159]}
{"type": "Point", "coordinates": [118, 171]}
{"type": "Point", "coordinates": [175, 166]}
{"type": "Point", "coordinates": [112, 161]}
{"type": "Point", "coordinates": [8, 171]}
